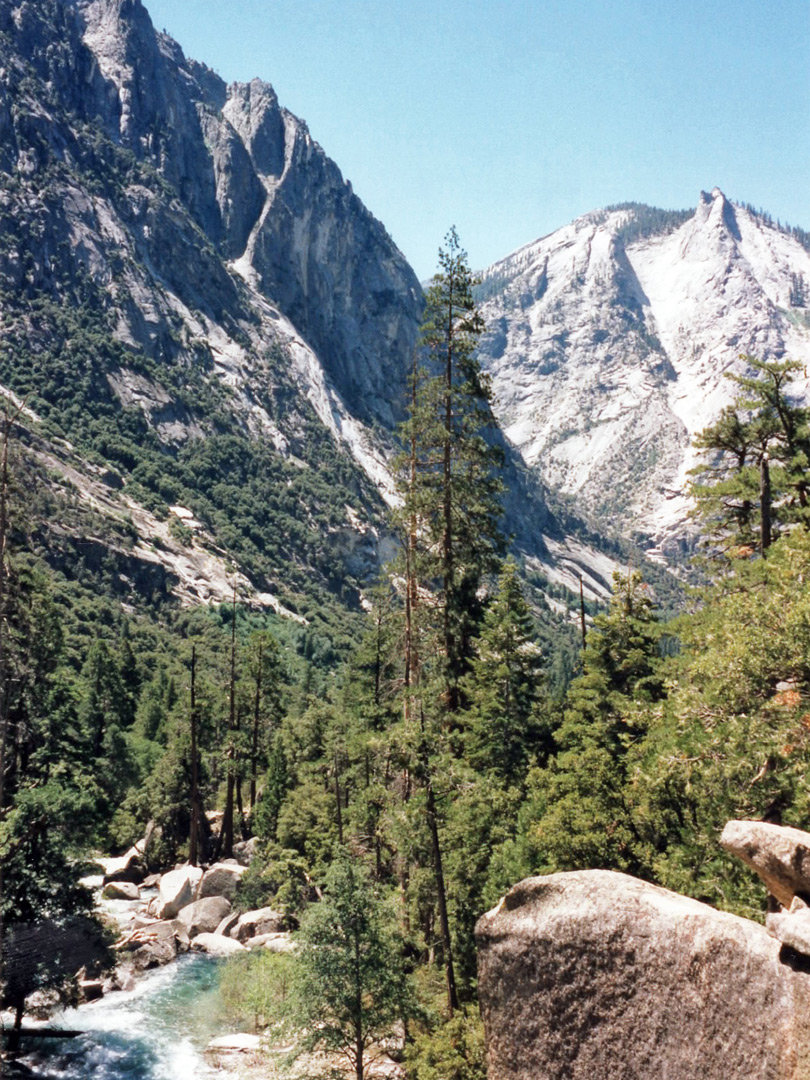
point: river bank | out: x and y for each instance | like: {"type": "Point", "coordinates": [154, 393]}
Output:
{"type": "Point", "coordinates": [158, 1030]}
{"type": "Point", "coordinates": [160, 1014]}
{"type": "Point", "coordinates": [152, 1016]}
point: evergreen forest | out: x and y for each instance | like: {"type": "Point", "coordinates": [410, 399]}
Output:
{"type": "Point", "coordinates": [406, 758]}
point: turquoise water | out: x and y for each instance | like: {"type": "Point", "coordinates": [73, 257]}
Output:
{"type": "Point", "coordinates": [157, 1031]}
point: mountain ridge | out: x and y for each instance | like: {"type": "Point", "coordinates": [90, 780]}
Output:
{"type": "Point", "coordinates": [197, 302]}
{"type": "Point", "coordinates": [607, 354]}
{"type": "Point", "coordinates": [197, 299]}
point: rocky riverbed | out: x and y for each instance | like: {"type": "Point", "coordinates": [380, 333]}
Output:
{"type": "Point", "coordinates": [155, 1012]}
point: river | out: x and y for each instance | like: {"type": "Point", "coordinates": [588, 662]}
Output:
{"type": "Point", "coordinates": [157, 1031]}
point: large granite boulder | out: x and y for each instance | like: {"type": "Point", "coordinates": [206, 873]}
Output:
{"type": "Point", "coordinates": [153, 945]}
{"type": "Point", "coordinates": [227, 924]}
{"type": "Point", "coordinates": [131, 866]}
{"type": "Point", "coordinates": [791, 928]}
{"type": "Point", "coordinates": [204, 916]}
{"type": "Point", "coordinates": [177, 889]}
{"type": "Point", "coordinates": [244, 851]}
{"type": "Point", "coordinates": [216, 945]}
{"type": "Point", "coordinates": [262, 921]}
{"type": "Point", "coordinates": [221, 880]}
{"type": "Point", "coordinates": [121, 890]}
{"type": "Point", "coordinates": [778, 853]}
{"type": "Point", "coordinates": [594, 975]}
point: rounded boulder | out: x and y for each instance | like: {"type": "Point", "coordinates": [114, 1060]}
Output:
{"type": "Point", "coordinates": [204, 916]}
{"type": "Point", "coordinates": [177, 889]}
{"type": "Point", "coordinates": [221, 880]}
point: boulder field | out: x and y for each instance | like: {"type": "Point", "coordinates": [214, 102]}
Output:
{"type": "Point", "coordinates": [594, 975]}
{"type": "Point", "coordinates": [192, 910]}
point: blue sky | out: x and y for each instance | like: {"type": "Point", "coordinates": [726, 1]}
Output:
{"type": "Point", "coordinates": [509, 119]}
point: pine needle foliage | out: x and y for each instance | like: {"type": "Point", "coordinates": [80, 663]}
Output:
{"type": "Point", "coordinates": [449, 473]}
{"type": "Point", "coordinates": [505, 724]}
{"type": "Point", "coordinates": [350, 988]}
{"type": "Point", "coordinates": [753, 481]}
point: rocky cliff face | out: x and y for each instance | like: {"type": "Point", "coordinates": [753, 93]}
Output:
{"type": "Point", "coordinates": [186, 276]}
{"type": "Point", "coordinates": [194, 297]}
{"type": "Point", "coordinates": [609, 341]}
{"type": "Point", "coordinates": [265, 196]}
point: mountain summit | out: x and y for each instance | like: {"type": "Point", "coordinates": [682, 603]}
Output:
{"type": "Point", "coordinates": [609, 340]}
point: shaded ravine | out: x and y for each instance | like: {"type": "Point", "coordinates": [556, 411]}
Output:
{"type": "Point", "coordinates": [157, 1031]}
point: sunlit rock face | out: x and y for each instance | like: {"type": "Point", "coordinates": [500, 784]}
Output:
{"type": "Point", "coordinates": [610, 339]}
{"type": "Point", "coordinates": [250, 289]}
{"type": "Point", "coordinates": [266, 197]}
{"type": "Point", "coordinates": [232, 229]}
{"type": "Point", "coordinates": [597, 974]}
{"type": "Point", "coordinates": [199, 227]}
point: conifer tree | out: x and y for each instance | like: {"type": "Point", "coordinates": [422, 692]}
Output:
{"type": "Point", "coordinates": [276, 783]}
{"type": "Point", "coordinates": [350, 986]}
{"type": "Point", "coordinates": [225, 841]}
{"type": "Point", "coordinates": [585, 819]}
{"type": "Point", "coordinates": [450, 490]}
{"type": "Point", "coordinates": [266, 673]}
{"type": "Point", "coordinates": [758, 452]}
{"type": "Point", "coordinates": [450, 481]}
{"type": "Point", "coordinates": [504, 725]}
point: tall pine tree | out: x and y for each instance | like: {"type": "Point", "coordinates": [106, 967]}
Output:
{"type": "Point", "coordinates": [450, 480]}
{"type": "Point", "coordinates": [450, 487]}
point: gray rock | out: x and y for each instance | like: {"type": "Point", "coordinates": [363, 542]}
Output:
{"type": "Point", "coordinates": [597, 976]}
{"type": "Point", "coordinates": [156, 930]}
{"type": "Point", "coordinates": [181, 935]}
{"type": "Point", "coordinates": [204, 916]}
{"type": "Point", "coordinates": [141, 922]}
{"type": "Point", "coordinates": [153, 954]}
{"type": "Point", "coordinates": [91, 989]}
{"type": "Point", "coordinates": [262, 921]}
{"type": "Point", "coordinates": [779, 854]}
{"type": "Point", "coordinates": [177, 889]}
{"type": "Point", "coordinates": [227, 924]}
{"type": "Point", "coordinates": [121, 978]}
{"type": "Point", "coordinates": [245, 850]}
{"type": "Point", "coordinates": [128, 867]}
{"type": "Point", "coordinates": [121, 890]}
{"type": "Point", "coordinates": [277, 943]}
{"type": "Point", "coordinates": [221, 880]}
{"type": "Point", "coordinates": [235, 1044]}
{"type": "Point", "coordinates": [151, 947]}
{"type": "Point", "coordinates": [791, 928]}
{"type": "Point", "coordinates": [216, 945]}
{"type": "Point", "coordinates": [42, 1004]}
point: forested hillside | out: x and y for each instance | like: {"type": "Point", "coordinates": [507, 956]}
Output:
{"type": "Point", "coordinates": [270, 569]}
{"type": "Point", "coordinates": [411, 785]}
